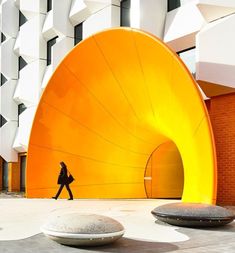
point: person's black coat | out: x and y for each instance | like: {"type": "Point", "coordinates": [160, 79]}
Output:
{"type": "Point", "coordinates": [63, 177]}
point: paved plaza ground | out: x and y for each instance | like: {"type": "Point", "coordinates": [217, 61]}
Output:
{"type": "Point", "coordinates": [21, 218]}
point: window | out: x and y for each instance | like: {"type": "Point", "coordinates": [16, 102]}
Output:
{"type": "Point", "coordinates": [3, 79]}
{"type": "Point", "coordinates": [22, 18]}
{"type": "Point", "coordinates": [3, 37]}
{"type": "Point", "coordinates": [49, 5]}
{"type": "Point", "coordinates": [125, 12]}
{"type": "Point", "coordinates": [173, 4]}
{"type": "Point", "coordinates": [188, 57]}
{"type": "Point", "coordinates": [50, 44]}
{"type": "Point", "coordinates": [5, 175]}
{"type": "Point", "coordinates": [22, 63]}
{"type": "Point", "coordinates": [77, 33]}
{"type": "Point", "coordinates": [22, 172]}
{"type": "Point", "coordinates": [2, 120]}
{"type": "Point", "coordinates": [21, 108]}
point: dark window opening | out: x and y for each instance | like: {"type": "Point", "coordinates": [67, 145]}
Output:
{"type": "Point", "coordinates": [3, 37]}
{"type": "Point", "coordinates": [22, 172]}
{"type": "Point", "coordinates": [3, 79]}
{"type": "Point", "coordinates": [49, 5]}
{"type": "Point", "coordinates": [5, 175]}
{"type": "Point", "coordinates": [125, 12]}
{"type": "Point", "coordinates": [21, 108]}
{"type": "Point", "coordinates": [77, 33]}
{"type": "Point", "coordinates": [2, 120]}
{"type": "Point", "coordinates": [173, 4]}
{"type": "Point", "coordinates": [50, 44]}
{"type": "Point", "coordinates": [22, 63]}
{"type": "Point", "coordinates": [22, 18]}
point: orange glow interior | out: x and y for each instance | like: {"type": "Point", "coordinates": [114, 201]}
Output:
{"type": "Point", "coordinates": [114, 99]}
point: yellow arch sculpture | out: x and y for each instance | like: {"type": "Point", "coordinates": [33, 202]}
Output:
{"type": "Point", "coordinates": [112, 101]}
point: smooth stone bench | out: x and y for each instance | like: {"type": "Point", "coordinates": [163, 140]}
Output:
{"type": "Point", "coordinates": [83, 229]}
{"type": "Point", "coordinates": [193, 215]}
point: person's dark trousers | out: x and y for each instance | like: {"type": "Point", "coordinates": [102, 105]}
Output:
{"type": "Point", "coordinates": [61, 188]}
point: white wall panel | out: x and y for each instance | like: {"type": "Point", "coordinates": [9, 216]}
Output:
{"type": "Point", "coordinates": [57, 21]}
{"type": "Point", "coordinates": [181, 26]}
{"type": "Point", "coordinates": [28, 90]}
{"type": "Point", "coordinates": [17, 45]}
{"type": "Point", "coordinates": [82, 9]}
{"type": "Point", "coordinates": [79, 12]}
{"type": "Point", "coordinates": [22, 136]}
{"type": "Point", "coordinates": [31, 8]}
{"type": "Point", "coordinates": [32, 44]}
{"type": "Point", "coordinates": [105, 18]}
{"type": "Point", "coordinates": [60, 49]}
{"type": "Point", "coordinates": [47, 75]}
{"type": "Point", "coordinates": [216, 52]}
{"type": "Point", "coordinates": [143, 16]}
{"type": "Point", "coordinates": [9, 61]}
{"type": "Point", "coordinates": [61, 10]}
{"type": "Point", "coordinates": [9, 108]}
{"type": "Point", "coordinates": [10, 18]}
{"type": "Point", "coordinates": [7, 134]}
{"type": "Point", "coordinates": [212, 10]}
{"type": "Point", "coordinates": [17, 3]}
{"type": "Point", "coordinates": [49, 30]}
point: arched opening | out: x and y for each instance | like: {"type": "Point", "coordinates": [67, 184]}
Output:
{"type": "Point", "coordinates": [164, 174]}
{"type": "Point", "coordinates": [106, 112]}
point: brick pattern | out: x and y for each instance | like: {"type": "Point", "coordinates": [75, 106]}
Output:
{"type": "Point", "coordinates": [222, 114]}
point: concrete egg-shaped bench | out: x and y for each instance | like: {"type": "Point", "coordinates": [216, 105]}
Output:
{"type": "Point", "coordinates": [193, 215]}
{"type": "Point", "coordinates": [82, 229]}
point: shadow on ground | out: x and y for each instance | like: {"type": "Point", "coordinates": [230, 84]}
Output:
{"type": "Point", "coordinates": [40, 243]}
{"type": "Point", "coordinates": [126, 245]}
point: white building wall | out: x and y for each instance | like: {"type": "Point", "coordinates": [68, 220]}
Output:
{"type": "Point", "coordinates": [31, 8]}
{"type": "Point", "coordinates": [216, 52]}
{"type": "Point", "coordinates": [23, 131]}
{"type": "Point", "coordinates": [149, 16]}
{"type": "Point", "coordinates": [182, 25]}
{"type": "Point", "coordinates": [8, 107]}
{"type": "Point", "coordinates": [9, 60]}
{"type": "Point", "coordinates": [57, 20]}
{"type": "Point", "coordinates": [32, 44]}
{"type": "Point", "coordinates": [60, 49]}
{"type": "Point", "coordinates": [212, 10]}
{"type": "Point", "coordinates": [9, 68]}
{"type": "Point", "coordinates": [178, 28]}
{"type": "Point", "coordinates": [28, 89]}
{"type": "Point", "coordinates": [9, 18]}
{"type": "Point", "coordinates": [7, 134]}
{"type": "Point", "coordinates": [102, 19]}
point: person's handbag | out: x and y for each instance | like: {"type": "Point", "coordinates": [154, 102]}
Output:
{"type": "Point", "coordinates": [70, 179]}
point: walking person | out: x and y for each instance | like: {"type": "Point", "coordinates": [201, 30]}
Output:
{"type": "Point", "coordinates": [63, 180]}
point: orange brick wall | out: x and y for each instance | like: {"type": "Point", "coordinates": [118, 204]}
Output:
{"type": "Point", "coordinates": [222, 113]}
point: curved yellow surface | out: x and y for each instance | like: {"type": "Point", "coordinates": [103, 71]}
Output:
{"type": "Point", "coordinates": [112, 101]}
